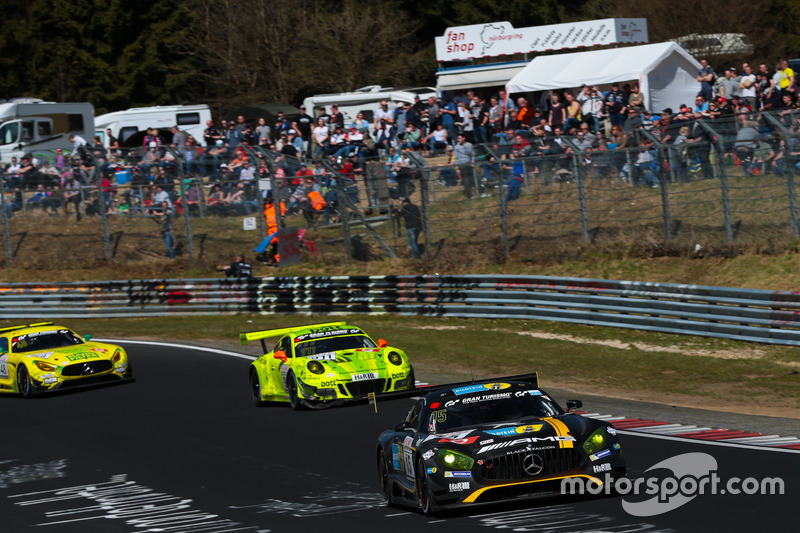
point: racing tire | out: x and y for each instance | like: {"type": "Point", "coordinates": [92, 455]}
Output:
{"type": "Point", "coordinates": [24, 383]}
{"type": "Point", "coordinates": [255, 388]}
{"type": "Point", "coordinates": [383, 477]}
{"type": "Point", "coordinates": [294, 397]}
{"type": "Point", "coordinates": [424, 496]}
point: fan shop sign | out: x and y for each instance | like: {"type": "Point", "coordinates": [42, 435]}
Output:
{"type": "Point", "coordinates": [501, 38]}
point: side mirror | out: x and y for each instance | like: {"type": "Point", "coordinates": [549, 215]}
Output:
{"type": "Point", "coordinates": [87, 338]}
{"type": "Point", "coordinates": [574, 404]}
{"type": "Point", "coordinates": [402, 426]}
{"type": "Point", "coordinates": [382, 343]}
{"type": "Point", "coordinates": [280, 354]}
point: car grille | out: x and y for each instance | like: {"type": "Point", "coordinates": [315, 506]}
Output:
{"type": "Point", "coordinates": [86, 368]}
{"type": "Point", "coordinates": [510, 467]}
{"type": "Point", "coordinates": [362, 388]}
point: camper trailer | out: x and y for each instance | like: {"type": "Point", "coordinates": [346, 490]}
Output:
{"type": "Point", "coordinates": [365, 100]}
{"type": "Point", "coordinates": [31, 125]}
{"type": "Point", "coordinates": [124, 124]}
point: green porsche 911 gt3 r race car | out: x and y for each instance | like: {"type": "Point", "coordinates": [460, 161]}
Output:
{"type": "Point", "coordinates": [321, 365]}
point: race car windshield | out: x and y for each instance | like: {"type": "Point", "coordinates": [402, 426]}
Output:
{"type": "Point", "coordinates": [490, 408]}
{"type": "Point", "coordinates": [333, 344]}
{"type": "Point", "coordinates": [44, 340]}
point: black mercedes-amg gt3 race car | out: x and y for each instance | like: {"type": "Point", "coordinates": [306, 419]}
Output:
{"type": "Point", "coordinates": [494, 441]}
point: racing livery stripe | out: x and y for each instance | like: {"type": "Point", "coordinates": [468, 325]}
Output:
{"type": "Point", "coordinates": [561, 430]}
{"type": "Point", "coordinates": [474, 496]}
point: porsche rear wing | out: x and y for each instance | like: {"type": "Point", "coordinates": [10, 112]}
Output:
{"type": "Point", "coordinates": [244, 338]}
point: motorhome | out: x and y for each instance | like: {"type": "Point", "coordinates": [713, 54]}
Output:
{"type": "Point", "coordinates": [365, 100]}
{"type": "Point", "coordinates": [31, 125]}
{"type": "Point", "coordinates": [124, 124]}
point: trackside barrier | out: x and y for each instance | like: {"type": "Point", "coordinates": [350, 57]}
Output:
{"type": "Point", "coordinates": [741, 314]}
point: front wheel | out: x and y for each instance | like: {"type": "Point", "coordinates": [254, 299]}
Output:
{"type": "Point", "coordinates": [255, 388]}
{"type": "Point", "coordinates": [383, 477]}
{"type": "Point", "coordinates": [294, 398]}
{"type": "Point", "coordinates": [24, 383]}
{"type": "Point", "coordinates": [424, 496]}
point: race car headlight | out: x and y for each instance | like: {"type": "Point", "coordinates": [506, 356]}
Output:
{"type": "Point", "coordinates": [45, 366]}
{"type": "Point", "coordinates": [596, 441]}
{"type": "Point", "coordinates": [117, 357]}
{"type": "Point", "coordinates": [395, 358]}
{"type": "Point", "coordinates": [455, 460]}
{"type": "Point", "coordinates": [315, 367]}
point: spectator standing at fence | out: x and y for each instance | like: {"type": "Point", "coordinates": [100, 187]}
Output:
{"type": "Point", "coordinates": [384, 114]}
{"type": "Point", "coordinates": [706, 77]}
{"type": "Point", "coordinates": [616, 104]}
{"type": "Point", "coordinates": [320, 138]}
{"type": "Point", "coordinates": [431, 115]}
{"type": "Point", "coordinates": [413, 221]}
{"type": "Point", "coordinates": [748, 86]}
{"type": "Point", "coordinates": [729, 86]}
{"type": "Point", "coordinates": [464, 159]}
{"type": "Point", "coordinates": [303, 125]}
{"type": "Point", "coordinates": [11, 176]}
{"type": "Point", "coordinates": [72, 195]}
{"type": "Point", "coordinates": [786, 79]}
{"type": "Point", "coordinates": [211, 135]}
{"type": "Point", "coordinates": [558, 113]}
{"type": "Point", "coordinates": [163, 217]}
{"type": "Point", "coordinates": [78, 143]}
{"type": "Point", "coordinates": [573, 110]}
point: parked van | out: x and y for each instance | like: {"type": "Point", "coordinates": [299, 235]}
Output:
{"type": "Point", "coordinates": [124, 124]}
{"type": "Point", "coordinates": [365, 100]}
{"type": "Point", "coordinates": [30, 125]}
{"type": "Point", "coordinates": [715, 44]}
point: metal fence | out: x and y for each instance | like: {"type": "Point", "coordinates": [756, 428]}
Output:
{"type": "Point", "coordinates": [740, 314]}
{"type": "Point", "coordinates": [719, 185]}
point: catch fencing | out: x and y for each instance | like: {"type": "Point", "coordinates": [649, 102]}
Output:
{"type": "Point", "coordinates": [741, 314]}
{"type": "Point", "coordinates": [716, 185]}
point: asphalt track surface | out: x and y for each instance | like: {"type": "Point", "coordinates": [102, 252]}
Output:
{"type": "Point", "coordinates": [183, 445]}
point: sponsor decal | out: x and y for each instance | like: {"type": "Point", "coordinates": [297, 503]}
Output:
{"type": "Point", "coordinates": [325, 384]}
{"type": "Point", "coordinates": [434, 405]}
{"type": "Point", "coordinates": [329, 333]}
{"type": "Point", "coordinates": [531, 449]}
{"type": "Point", "coordinates": [502, 431]}
{"type": "Point", "coordinates": [326, 356]}
{"type": "Point", "coordinates": [458, 487]}
{"type": "Point", "coordinates": [431, 470]}
{"type": "Point", "coordinates": [487, 441]}
{"type": "Point", "coordinates": [102, 350]}
{"type": "Point", "coordinates": [82, 355]}
{"type": "Point", "coordinates": [521, 393]}
{"type": "Point", "coordinates": [611, 431]}
{"type": "Point", "coordinates": [529, 429]}
{"type": "Point", "coordinates": [45, 355]}
{"type": "Point", "coordinates": [427, 455]}
{"type": "Point", "coordinates": [479, 388]}
{"type": "Point", "coordinates": [365, 376]}
{"type": "Point", "coordinates": [599, 455]}
{"type": "Point", "coordinates": [487, 397]}
{"type": "Point", "coordinates": [616, 446]}
{"type": "Point", "coordinates": [396, 457]}
{"type": "Point", "coordinates": [330, 375]}
{"type": "Point", "coordinates": [4, 365]}
{"type": "Point", "coordinates": [401, 375]}
{"type": "Point", "coordinates": [408, 441]}
{"type": "Point", "coordinates": [462, 442]}
{"type": "Point", "coordinates": [605, 467]}
{"type": "Point", "coordinates": [373, 350]}
{"type": "Point", "coordinates": [527, 440]}
{"type": "Point", "coordinates": [457, 473]}
{"type": "Point", "coordinates": [48, 381]}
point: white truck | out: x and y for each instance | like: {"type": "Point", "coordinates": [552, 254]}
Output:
{"type": "Point", "coordinates": [31, 125]}
{"type": "Point", "coordinates": [123, 124]}
{"type": "Point", "coordinates": [365, 100]}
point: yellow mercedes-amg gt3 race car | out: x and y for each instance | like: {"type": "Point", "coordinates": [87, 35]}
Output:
{"type": "Point", "coordinates": [322, 365]}
{"type": "Point", "coordinates": [45, 357]}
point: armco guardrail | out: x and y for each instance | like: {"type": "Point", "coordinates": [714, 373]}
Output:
{"type": "Point", "coordinates": [742, 314]}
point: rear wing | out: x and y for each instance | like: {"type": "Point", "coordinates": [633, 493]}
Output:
{"type": "Point", "coordinates": [38, 324]}
{"type": "Point", "coordinates": [268, 333]}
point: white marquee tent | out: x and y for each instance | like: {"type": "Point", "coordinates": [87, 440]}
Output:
{"type": "Point", "coordinates": [666, 73]}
